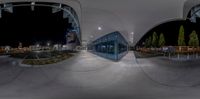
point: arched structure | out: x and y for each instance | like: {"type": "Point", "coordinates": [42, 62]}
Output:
{"type": "Point", "coordinates": [68, 12]}
{"type": "Point", "coordinates": [194, 13]}
{"type": "Point", "coordinates": [132, 18]}
{"type": "Point", "coordinates": [188, 5]}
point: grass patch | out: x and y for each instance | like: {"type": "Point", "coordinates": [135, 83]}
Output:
{"type": "Point", "coordinates": [147, 55]}
{"type": "Point", "coordinates": [45, 61]}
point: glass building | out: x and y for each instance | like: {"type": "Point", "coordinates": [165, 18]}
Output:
{"type": "Point", "coordinates": [112, 46]}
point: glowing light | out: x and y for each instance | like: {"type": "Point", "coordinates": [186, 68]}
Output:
{"type": "Point", "coordinates": [132, 33]}
{"type": "Point", "coordinates": [91, 36]}
{"type": "Point", "coordinates": [48, 44]}
{"type": "Point", "coordinates": [99, 28]}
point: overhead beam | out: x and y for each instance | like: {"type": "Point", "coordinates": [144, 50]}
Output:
{"type": "Point", "coordinates": [32, 6]}
{"type": "Point", "coordinates": [8, 8]}
{"type": "Point", "coordinates": [57, 8]}
{"type": "Point", "coordinates": [65, 15]}
{"type": "Point", "coordinates": [0, 12]}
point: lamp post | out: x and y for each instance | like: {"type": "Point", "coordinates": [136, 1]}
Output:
{"type": "Point", "coordinates": [132, 39]}
{"type": "Point", "coordinates": [48, 44]}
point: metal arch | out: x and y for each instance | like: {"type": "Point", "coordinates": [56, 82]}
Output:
{"type": "Point", "coordinates": [195, 12]}
{"type": "Point", "coordinates": [68, 9]}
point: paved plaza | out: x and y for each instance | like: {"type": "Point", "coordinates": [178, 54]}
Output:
{"type": "Point", "coordinates": [87, 76]}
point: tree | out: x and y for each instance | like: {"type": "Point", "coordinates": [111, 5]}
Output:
{"type": "Point", "coordinates": [181, 36]}
{"type": "Point", "coordinates": [193, 39]}
{"type": "Point", "coordinates": [148, 42]}
{"type": "Point", "coordinates": [154, 39]}
{"type": "Point", "coordinates": [161, 40]}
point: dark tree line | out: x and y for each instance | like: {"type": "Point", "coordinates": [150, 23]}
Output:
{"type": "Point", "coordinates": [159, 41]}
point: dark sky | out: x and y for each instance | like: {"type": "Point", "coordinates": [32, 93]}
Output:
{"type": "Point", "coordinates": [30, 27]}
{"type": "Point", "coordinates": [171, 31]}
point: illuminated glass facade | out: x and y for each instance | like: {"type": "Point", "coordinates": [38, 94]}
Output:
{"type": "Point", "coordinates": [112, 46]}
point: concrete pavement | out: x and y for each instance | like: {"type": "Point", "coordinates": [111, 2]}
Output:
{"type": "Point", "coordinates": [86, 76]}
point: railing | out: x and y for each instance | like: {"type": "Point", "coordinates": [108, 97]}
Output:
{"type": "Point", "coordinates": [172, 49]}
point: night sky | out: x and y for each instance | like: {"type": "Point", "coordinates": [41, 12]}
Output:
{"type": "Point", "coordinates": [31, 27]}
{"type": "Point", "coordinates": [171, 31]}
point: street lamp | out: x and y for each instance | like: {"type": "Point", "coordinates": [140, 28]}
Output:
{"type": "Point", "coordinates": [99, 28]}
{"type": "Point", "coordinates": [38, 45]}
{"type": "Point", "coordinates": [132, 36]}
{"type": "Point", "coordinates": [132, 39]}
{"type": "Point", "coordinates": [48, 44]}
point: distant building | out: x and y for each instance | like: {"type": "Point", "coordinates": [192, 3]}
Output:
{"type": "Point", "coordinates": [7, 49]}
{"type": "Point", "coordinates": [20, 45]}
{"type": "Point", "coordinates": [71, 40]}
{"type": "Point", "coordinates": [57, 47]}
{"type": "Point", "coordinates": [34, 47]}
